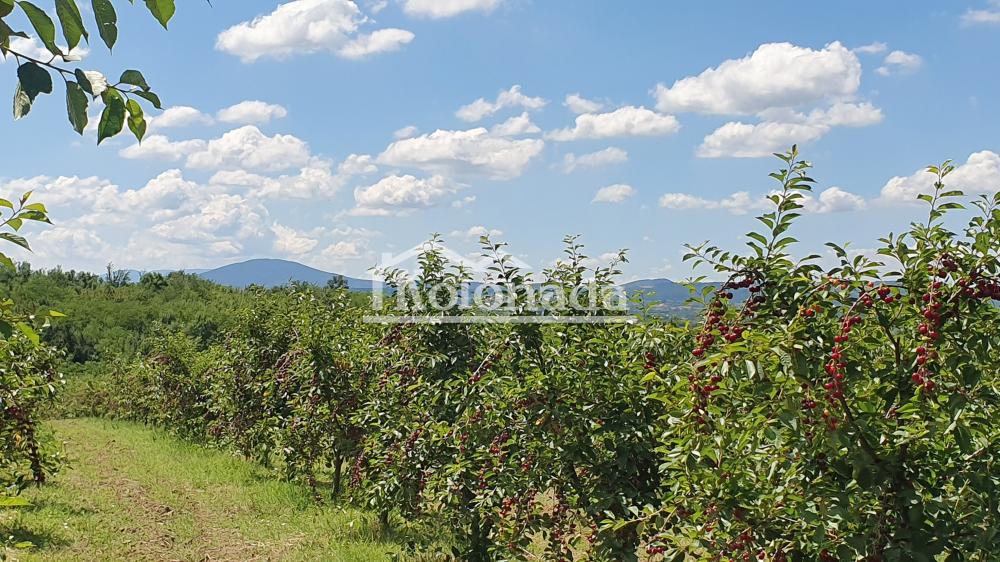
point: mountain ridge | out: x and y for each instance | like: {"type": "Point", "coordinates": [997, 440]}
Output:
{"type": "Point", "coordinates": [274, 272]}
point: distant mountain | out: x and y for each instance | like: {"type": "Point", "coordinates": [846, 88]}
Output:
{"type": "Point", "coordinates": [274, 273]}
{"type": "Point", "coordinates": [669, 298]}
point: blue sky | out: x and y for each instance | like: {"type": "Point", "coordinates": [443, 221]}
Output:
{"type": "Point", "coordinates": [331, 132]}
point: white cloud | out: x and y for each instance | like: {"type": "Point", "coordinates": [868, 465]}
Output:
{"type": "Point", "coordinates": [614, 193]}
{"type": "Point", "coordinates": [831, 200]}
{"type": "Point", "coordinates": [437, 9]}
{"type": "Point", "coordinates": [834, 200]}
{"type": "Point", "coordinates": [738, 203]}
{"type": "Point", "coordinates": [32, 48]}
{"type": "Point", "coordinates": [578, 104]}
{"type": "Point", "coordinates": [463, 202]}
{"type": "Point", "coordinates": [516, 126]}
{"type": "Point", "coordinates": [314, 180]}
{"type": "Point", "coordinates": [309, 26]}
{"type": "Point", "coordinates": [378, 41]}
{"type": "Point", "coordinates": [900, 62]}
{"type": "Point", "coordinates": [775, 75]}
{"type": "Point", "coordinates": [376, 6]}
{"type": "Point", "coordinates": [64, 243]}
{"type": "Point", "coordinates": [397, 193]}
{"type": "Point", "coordinates": [249, 148]}
{"type": "Point", "coordinates": [159, 147]}
{"type": "Point", "coordinates": [605, 157]}
{"type": "Point", "coordinates": [251, 112]}
{"type": "Point", "coordinates": [405, 132]}
{"type": "Point", "coordinates": [474, 233]}
{"type": "Point", "coordinates": [178, 116]}
{"type": "Point", "coordinates": [219, 217]}
{"type": "Point", "coordinates": [982, 16]}
{"type": "Point", "coordinates": [513, 97]}
{"type": "Point", "coordinates": [341, 250]}
{"type": "Point", "coordinates": [290, 241]}
{"type": "Point", "coordinates": [623, 122]}
{"type": "Point", "coordinates": [742, 140]}
{"type": "Point", "coordinates": [245, 148]}
{"type": "Point", "coordinates": [475, 151]}
{"type": "Point", "coordinates": [979, 174]}
{"type": "Point", "coordinates": [872, 48]}
{"type": "Point", "coordinates": [357, 165]}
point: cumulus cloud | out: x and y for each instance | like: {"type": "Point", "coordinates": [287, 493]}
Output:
{"type": "Point", "coordinates": [309, 26]}
{"type": "Point", "coordinates": [872, 48]}
{"type": "Point", "coordinates": [343, 250]}
{"type": "Point", "coordinates": [32, 48]}
{"type": "Point", "coordinates": [357, 165]}
{"type": "Point", "coordinates": [290, 241]}
{"type": "Point", "coordinates": [900, 62]}
{"type": "Point", "coordinates": [405, 132]}
{"type": "Point", "coordinates": [178, 116]}
{"type": "Point", "coordinates": [315, 180]}
{"type": "Point", "coordinates": [834, 200]}
{"type": "Point", "coordinates": [248, 148]}
{"type": "Point", "coordinates": [245, 148]}
{"type": "Point", "coordinates": [251, 112]}
{"type": "Point", "coordinates": [783, 129]}
{"type": "Point", "coordinates": [613, 193]}
{"type": "Point", "coordinates": [578, 104]}
{"type": "Point", "coordinates": [516, 126]}
{"type": "Point", "coordinates": [472, 152]}
{"type": "Point", "coordinates": [979, 174]}
{"type": "Point", "coordinates": [774, 75]}
{"type": "Point", "coordinates": [474, 233]}
{"type": "Point", "coordinates": [513, 97]}
{"type": "Point", "coordinates": [397, 194]}
{"type": "Point", "coordinates": [606, 157]}
{"type": "Point", "coordinates": [159, 147]}
{"type": "Point", "coordinates": [628, 121]}
{"type": "Point", "coordinates": [437, 9]}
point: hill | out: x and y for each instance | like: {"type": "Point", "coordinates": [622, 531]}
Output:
{"type": "Point", "coordinates": [274, 273]}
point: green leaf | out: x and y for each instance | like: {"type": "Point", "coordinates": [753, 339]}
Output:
{"type": "Point", "coordinates": [72, 22]}
{"type": "Point", "coordinates": [43, 25]}
{"type": "Point", "coordinates": [76, 106]}
{"type": "Point", "coordinates": [7, 262]}
{"type": "Point", "coordinates": [134, 78]}
{"type": "Point", "coordinates": [6, 7]}
{"type": "Point", "coordinates": [92, 82]}
{"type": "Point", "coordinates": [15, 239]}
{"type": "Point", "coordinates": [107, 21]}
{"type": "Point", "coordinates": [136, 120]}
{"type": "Point", "coordinates": [6, 33]}
{"type": "Point", "coordinates": [113, 116]}
{"type": "Point", "coordinates": [34, 80]}
{"type": "Point", "coordinates": [22, 103]}
{"type": "Point", "coordinates": [151, 98]}
{"type": "Point", "coordinates": [56, 314]}
{"type": "Point", "coordinates": [162, 10]}
{"type": "Point", "coordinates": [28, 332]}
{"type": "Point", "coordinates": [7, 502]}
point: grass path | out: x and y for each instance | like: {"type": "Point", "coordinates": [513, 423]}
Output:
{"type": "Point", "coordinates": [132, 493]}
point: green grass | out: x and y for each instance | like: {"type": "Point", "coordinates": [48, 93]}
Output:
{"type": "Point", "coordinates": [133, 493]}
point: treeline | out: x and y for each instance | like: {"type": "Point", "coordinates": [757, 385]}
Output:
{"type": "Point", "coordinates": [105, 319]}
